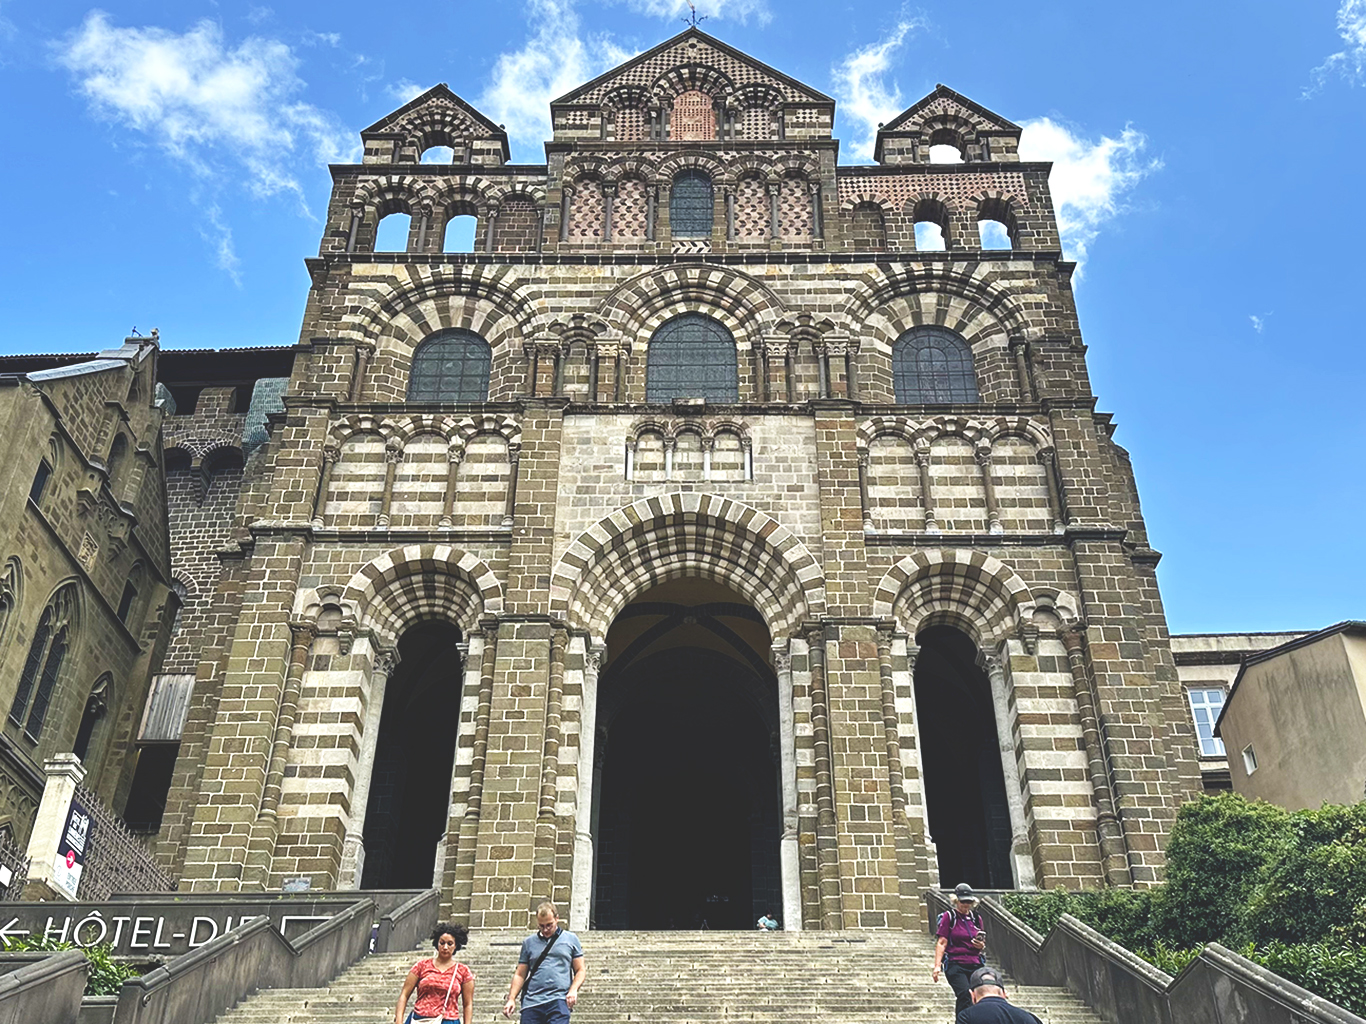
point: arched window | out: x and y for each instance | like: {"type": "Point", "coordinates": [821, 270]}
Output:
{"type": "Point", "coordinates": [43, 666]}
{"type": "Point", "coordinates": [932, 366]}
{"type": "Point", "coordinates": [32, 664]}
{"type": "Point", "coordinates": [692, 356]}
{"type": "Point", "coordinates": [690, 205]}
{"type": "Point", "coordinates": [96, 707]}
{"type": "Point", "coordinates": [452, 366]}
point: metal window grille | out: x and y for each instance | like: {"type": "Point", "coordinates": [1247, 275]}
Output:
{"type": "Point", "coordinates": [933, 366]}
{"type": "Point", "coordinates": [1205, 708]}
{"type": "Point", "coordinates": [690, 205]}
{"type": "Point", "coordinates": [692, 356]}
{"type": "Point", "coordinates": [452, 366]}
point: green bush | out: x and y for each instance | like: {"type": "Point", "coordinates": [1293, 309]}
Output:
{"type": "Point", "coordinates": [1123, 915]}
{"type": "Point", "coordinates": [107, 974]}
{"type": "Point", "coordinates": [1334, 971]}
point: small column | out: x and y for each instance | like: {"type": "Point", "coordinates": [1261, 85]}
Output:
{"type": "Point", "coordinates": [1113, 849]}
{"type": "Point", "coordinates": [594, 359]}
{"type": "Point", "coordinates": [566, 195]}
{"type": "Point", "coordinates": [1019, 348]}
{"type": "Point", "coordinates": [357, 215]}
{"type": "Point", "coordinates": [393, 455]}
{"type": "Point", "coordinates": [789, 372]}
{"type": "Point", "coordinates": [301, 639]}
{"type": "Point", "coordinates": [540, 228]}
{"type": "Point", "coordinates": [514, 457]}
{"type": "Point", "coordinates": [454, 454]}
{"type": "Point", "coordinates": [747, 447]}
{"type": "Point", "coordinates": [490, 227]}
{"type": "Point", "coordinates": [353, 847]}
{"type": "Point", "coordinates": [863, 490]}
{"type": "Point", "coordinates": [822, 369]}
{"type": "Point", "coordinates": [469, 825]}
{"type": "Point", "coordinates": [708, 443]}
{"type": "Point", "coordinates": [582, 893]}
{"type": "Point", "coordinates": [64, 773]}
{"type": "Point", "coordinates": [609, 191]}
{"type": "Point", "coordinates": [817, 212]}
{"type": "Point", "coordinates": [651, 203]}
{"type": "Point", "coordinates": [730, 213]}
{"type": "Point", "coordinates": [619, 378]}
{"type": "Point", "coordinates": [763, 373]}
{"type": "Point", "coordinates": [669, 458]}
{"type": "Point", "coordinates": [788, 854]}
{"type": "Point", "coordinates": [362, 362]}
{"type": "Point", "coordinates": [543, 855]}
{"type": "Point", "coordinates": [775, 231]}
{"type": "Point", "coordinates": [630, 459]}
{"type": "Point", "coordinates": [983, 456]}
{"type": "Point", "coordinates": [1048, 460]}
{"type": "Point", "coordinates": [424, 219]}
{"type": "Point", "coordinates": [331, 453]}
{"type": "Point", "coordinates": [851, 347]}
{"type": "Point", "coordinates": [827, 839]}
{"type": "Point", "coordinates": [1022, 857]}
{"type": "Point", "coordinates": [533, 367]}
{"type": "Point", "coordinates": [922, 461]}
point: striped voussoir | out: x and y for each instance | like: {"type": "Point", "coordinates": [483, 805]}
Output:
{"type": "Point", "coordinates": [967, 588]}
{"type": "Point", "coordinates": [679, 535]}
{"type": "Point", "coordinates": [421, 582]}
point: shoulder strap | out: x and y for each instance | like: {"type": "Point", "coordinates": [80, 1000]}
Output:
{"type": "Point", "coordinates": [455, 969]}
{"type": "Point", "coordinates": [531, 973]}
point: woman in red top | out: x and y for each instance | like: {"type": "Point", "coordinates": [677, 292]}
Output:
{"type": "Point", "coordinates": [440, 982]}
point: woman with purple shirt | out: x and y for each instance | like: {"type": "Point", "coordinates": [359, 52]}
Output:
{"type": "Point", "coordinates": [958, 948]}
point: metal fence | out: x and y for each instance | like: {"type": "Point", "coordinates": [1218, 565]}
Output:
{"type": "Point", "coordinates": [118, 861]}
{"type": "Point", "coordinates": [14, 863]}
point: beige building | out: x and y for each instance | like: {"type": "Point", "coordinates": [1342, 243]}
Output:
{"type": "Point", "coordinates": [1295, 720]}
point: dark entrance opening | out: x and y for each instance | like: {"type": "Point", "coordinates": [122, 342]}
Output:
{"type": "Point", "coordinates": [965, 789]}
{"type": "Point", "coordinates": [687, 796]}
{"type": "Point", "coordinates": [410, 791]}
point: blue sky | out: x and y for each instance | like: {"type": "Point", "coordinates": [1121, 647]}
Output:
{"type": "Point", "coordinates": [165, 164]}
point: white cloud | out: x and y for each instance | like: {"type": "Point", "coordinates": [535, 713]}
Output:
{"type": "Point", "coordinates": [738, 10]}
{"type": "Point", "coordinates": [554, 61]}
{"type": "Point", "coordinates": [1258, 322]}
{"type": "Point", "coordinates": [404, 90]}
{"type": "Point", "coordinates": [1090, 180]}
{"type": "Point", "coordinates": [1349, 62]}
{"type": "Point", "coordinates": [218, 234]}
{"type": "Point", "coordinates": [219, 109]}
{"type": "Point", "coordinates": [863, 94]}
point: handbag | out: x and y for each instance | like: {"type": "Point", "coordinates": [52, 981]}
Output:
{"type": "Point", "coordinates": [414, 1019]}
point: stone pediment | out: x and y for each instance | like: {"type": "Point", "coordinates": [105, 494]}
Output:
{"type": "Point", "coordinates": [946, 105]}
{"type": "Point", "coordinates": [438, 117]}
{"type": "Point", "coordinates": [438, 103]}
{"type": "Point", "coordinates": [691, 60]}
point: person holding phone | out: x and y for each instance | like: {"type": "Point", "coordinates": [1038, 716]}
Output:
{"type": "Point", "coordinates": [959, 945]}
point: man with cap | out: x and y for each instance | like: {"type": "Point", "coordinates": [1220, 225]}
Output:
{"type": "Point", "coordinates": [958, 945]}
{"type": "Point", "coordinates": [989, 1002]}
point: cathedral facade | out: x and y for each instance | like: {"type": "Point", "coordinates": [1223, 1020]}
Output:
{"type": "Point", "coordinates": [726, 529]}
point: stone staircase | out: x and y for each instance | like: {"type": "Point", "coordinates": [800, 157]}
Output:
{"type": "Point", "coordinates": [682, 978]}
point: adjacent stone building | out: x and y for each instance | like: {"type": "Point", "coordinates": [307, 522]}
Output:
{"type": "Point", "coordinates": [85, 597]}
{"type": "Point", "coordinates": [684, 527]}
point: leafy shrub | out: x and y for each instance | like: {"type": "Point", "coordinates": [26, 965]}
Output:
{"type": "Point", "coordinates": [107, 974]}
{"type": "Point", "coordinates": [1332, 970]}
{"type": "Point", "coordinates": [1120, 914]}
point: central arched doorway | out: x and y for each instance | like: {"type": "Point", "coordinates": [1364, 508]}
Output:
{"type": "Point", "coordinates": [686, 817]}
{"type": "Point", "coordinates": [965, 791]}
{"type": "Point", "coordinates": [410, 787]}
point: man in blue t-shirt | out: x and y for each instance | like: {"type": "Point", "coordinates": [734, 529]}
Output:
{"type": "Point", "coordinates": [989, 1003]}
{"type": "Point", "coordinates": [549, 972]}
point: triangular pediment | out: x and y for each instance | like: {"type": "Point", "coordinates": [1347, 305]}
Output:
{"type": "Point", "coordinates": [692, 54]}
{"type": "Point", "coordinates": [946, 103]}
{"type": "Point", "coordinates": [437, 105]}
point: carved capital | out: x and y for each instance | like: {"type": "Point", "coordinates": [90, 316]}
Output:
{"type": "Point", "coordinates": [386, 661]}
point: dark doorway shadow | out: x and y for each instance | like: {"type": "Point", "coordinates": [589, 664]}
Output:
{"type": "Point", "coordinates": [411, 786]}
{"type": "Point", "coordinates": [965, 789]}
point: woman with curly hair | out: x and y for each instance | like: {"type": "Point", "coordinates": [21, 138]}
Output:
{"type": "Point", "coordinates": [440, 982]}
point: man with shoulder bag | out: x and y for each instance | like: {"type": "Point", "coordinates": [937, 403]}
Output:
{"type": "Point", "coordinates": [549, 972]}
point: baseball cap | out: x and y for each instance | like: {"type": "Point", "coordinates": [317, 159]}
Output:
{"type": "Point", "coordinates": [963, 892]}
{"type": "Point", "coordinates": [986, 976]}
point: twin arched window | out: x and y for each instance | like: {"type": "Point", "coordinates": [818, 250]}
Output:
{"type": "Point", "coordinates": [692, 356]}
{"type": "Point", "coordinates": [450, 366]}
{"type": "Point", "coordinates": [690, 205]}
{"type": "Point", "coordinates": [932, 366]}
{"type": "Point", "coordinates": [43, 665]}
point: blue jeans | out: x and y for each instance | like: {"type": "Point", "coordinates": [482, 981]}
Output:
{"type": "Point", "coordinates": [546, 1013]}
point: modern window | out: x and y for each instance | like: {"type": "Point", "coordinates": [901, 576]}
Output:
{"type": "Point", "coordinates": [690, 205]}
{"type": "Point", "coordinates": [933, 366]}
{"type": "Point", "coordinates": [452, 366]}
{"type": "Point", "coordinates": [692, 356]}
{"type": "Point", "coordinates": [1249, 759]}
{"type": "Point", "coordinates": [1205, 707]}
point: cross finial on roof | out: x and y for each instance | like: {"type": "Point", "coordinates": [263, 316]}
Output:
{"type": "Point", "coordinates": [693, 19]}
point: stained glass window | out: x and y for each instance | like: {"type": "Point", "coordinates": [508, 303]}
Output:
{"type": "Point", "coordinates": [452, 366]}
{"type": "Point", "coordinates": [932, 366]}
{"type": "Point", "coordinates": [690, 206]}
{"type": "Point", "coordinates": [692, 356]}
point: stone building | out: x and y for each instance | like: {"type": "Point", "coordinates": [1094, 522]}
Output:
{"type": "Point", "coordinates": [85, 598]}
{"type": "Point", "coordinates": [687, 526]}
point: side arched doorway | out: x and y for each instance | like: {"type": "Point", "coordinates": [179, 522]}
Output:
{"type": "Point", "coordinates": [687, 796]}
{"type": "Point", "coordinates": [410, 786]}
{"type": "Point", "coordinates": [965, 792]}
